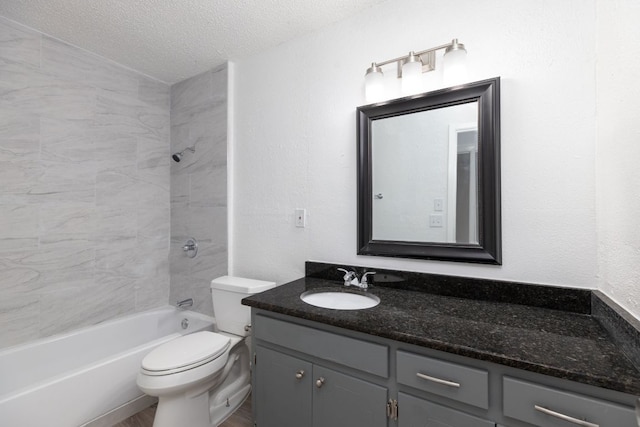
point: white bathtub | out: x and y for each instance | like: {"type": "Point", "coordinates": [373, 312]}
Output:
{"type": "Point", "coordinates": [71, 379]}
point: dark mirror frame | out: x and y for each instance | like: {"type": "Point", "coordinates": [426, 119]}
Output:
{"type": "Point", "coordinates": [489, 247]}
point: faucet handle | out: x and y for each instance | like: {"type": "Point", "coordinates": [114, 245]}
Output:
{"type": "Point", "coordinates": [364, 280]}
{"type": "Point", "coordinates": [349, 277]}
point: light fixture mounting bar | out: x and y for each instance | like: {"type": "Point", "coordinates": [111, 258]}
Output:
{"type": "Point", "coordinates": [427, 57]}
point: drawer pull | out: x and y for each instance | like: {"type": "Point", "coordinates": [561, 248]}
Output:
{"type": "Point", "coordinates": [565, 417]}
{"type": "Point", "coordinates": [438, 380]}
{"type": "Point", "coordinates": [300, 374]}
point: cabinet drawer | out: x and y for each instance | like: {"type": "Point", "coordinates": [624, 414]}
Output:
{"type": "Point", "coordinates": [354, 353]}
{"type": "Point", "coordinates": [419, 412]}
{"type": "Point", "coordinates": [457, 382]}
{"type": "Point", "coordinates": [545, 406]}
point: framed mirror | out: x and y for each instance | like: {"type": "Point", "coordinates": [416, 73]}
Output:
{"type": "Point", "coordinates": [429, 175]}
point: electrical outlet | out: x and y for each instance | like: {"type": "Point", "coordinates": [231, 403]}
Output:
{"type": "Point", "coordinates": [435, 220]}
{"type": "Point", "coordinates": [438, 205]}
{"type": "Point", "coordinates": [301, 218]}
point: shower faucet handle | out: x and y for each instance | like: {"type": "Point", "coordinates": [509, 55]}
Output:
{"type": "Point", "coordinates": [191, 247]}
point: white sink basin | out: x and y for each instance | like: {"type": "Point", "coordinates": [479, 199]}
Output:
{"type": "Point", "coordinates": [340, 300]}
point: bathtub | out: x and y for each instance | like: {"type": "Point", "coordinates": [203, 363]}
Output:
{"type": "Point", "coordinates": [87, 375]}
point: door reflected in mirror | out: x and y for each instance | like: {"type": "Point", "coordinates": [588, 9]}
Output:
{"type": "Point", "coordinates": [429, 175]}
{"type": "Point", "coordinates": [424, 168]}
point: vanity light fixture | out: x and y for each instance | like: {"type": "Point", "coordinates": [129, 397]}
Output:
{"type": "Point", "coordinates": [411, 66]}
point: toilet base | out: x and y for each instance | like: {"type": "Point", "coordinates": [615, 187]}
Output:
{"type": "Point", "coordinates": [210, 403]}
{"type": "Point", "coordinates": [219, 413]}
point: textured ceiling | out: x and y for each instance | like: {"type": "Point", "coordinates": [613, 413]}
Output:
{"type": "Point", "coordinates": [171, 40]}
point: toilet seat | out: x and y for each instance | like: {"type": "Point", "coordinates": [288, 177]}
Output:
{"type": "Point", "coordinates": [184, 353]}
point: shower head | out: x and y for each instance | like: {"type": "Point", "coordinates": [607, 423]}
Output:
{"type": "Point", "coordinates": [178, 156]}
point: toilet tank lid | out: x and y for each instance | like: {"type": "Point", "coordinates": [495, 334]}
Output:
{"type": "Point", "coordinates": [241, 285]}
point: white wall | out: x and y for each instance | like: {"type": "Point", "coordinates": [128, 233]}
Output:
{"type": "Point", "coordinates": [295, 137]}
{"type": "Point", "coordinates": [618, 151]}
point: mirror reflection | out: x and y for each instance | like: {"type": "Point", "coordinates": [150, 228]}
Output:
{"type": "Point", "coordinates": [424, 175]}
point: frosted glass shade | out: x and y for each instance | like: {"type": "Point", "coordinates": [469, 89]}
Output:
{"type": "Point", "coordinates": [374, 86]}
{"type": "Point", "coordinates": [455, 67]}
{"type": "Point", "coordinates": [412, 78]}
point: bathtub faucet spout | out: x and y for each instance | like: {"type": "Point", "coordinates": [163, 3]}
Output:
{"type": "Point", "coordinates": [185, 303]}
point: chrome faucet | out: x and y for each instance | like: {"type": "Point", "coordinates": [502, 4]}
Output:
{"type": "Point", "coordinates": [364, 282]}
{"type": "Point", "coordinates": [351, 278]}
{"type": "Point", "coordinates": [185, 303]}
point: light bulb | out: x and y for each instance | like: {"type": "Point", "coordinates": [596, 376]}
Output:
{"type": "Point", "coordinates": [374, 84]}
{"type": "Point", "coordinates": [455, 64]}
{"type": "Point", "coordinates": [412, 75]}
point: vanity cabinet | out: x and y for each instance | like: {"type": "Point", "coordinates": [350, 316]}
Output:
{"type": "Point", "coordinates": [292, 392]}
{"type": "Point", "coordinates": [310, 374]}
{"type": "Point", "coordinates": [294, 387]}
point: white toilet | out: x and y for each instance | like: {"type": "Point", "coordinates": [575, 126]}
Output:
{"type": "Point", "coordinates": [202, 378]}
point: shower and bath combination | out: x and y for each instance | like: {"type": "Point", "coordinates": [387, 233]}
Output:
{"type": "Point", "coordinates": [178, 156]}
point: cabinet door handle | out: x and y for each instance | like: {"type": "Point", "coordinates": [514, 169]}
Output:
{"type": "Point", "coordinates": [565, 417]}
{"type": "Point", "coordinates": [300, 374]}
{"type": "Point", "coordinates": [319, 382]}
{"type": "Point", "coordinates": [438, 380]}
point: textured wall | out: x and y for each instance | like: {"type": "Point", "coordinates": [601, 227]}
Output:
{"type": "Point", "coordinates": [295, 136]}
{"type": "Point", "coordinates": [199, 185]}
{"type": "Point", "coordinates": [619, 152]}
{"type": "Point", "coordinates": [84, 188]}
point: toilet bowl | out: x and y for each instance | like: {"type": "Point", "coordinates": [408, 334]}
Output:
{"type": "Point", "coordinates": [202, 378]}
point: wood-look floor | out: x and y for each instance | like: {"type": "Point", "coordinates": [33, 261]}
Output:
{"type": "Point", "coordinates": [241, 418]}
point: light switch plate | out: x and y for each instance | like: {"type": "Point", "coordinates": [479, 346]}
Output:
{"type": "Point", "coordinates": [301, 217]}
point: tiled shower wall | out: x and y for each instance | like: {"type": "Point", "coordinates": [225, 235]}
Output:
{"type": "Point", "coordinates": [199, 185]}
{"type": "Point", "coordinates": [84, 188]}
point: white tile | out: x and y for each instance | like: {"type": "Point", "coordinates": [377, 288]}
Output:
{"type": "Point", "coordinates": [18, 227]}
{"type": "Point", "coordinates": [66, 62]}
{"type": "Point", "coordinates": [209, 187]}
{"type": "Point", "coordinates": [19, 44]}
{"type": "Point", "coordinates": [50, 267]}
{"type": "Point", "coordinates": [195, 91]}
{"type": "Point", "coordinates": [154, 93]}
{"type": "Point", "coordinates": [19, 135]}
{"type": "Point", "coordinates": [114, 224]}
{"type": "Point", "coordinates": [208, 223]}
{"type": "Point", "coordinates": [117, 190]}
{"type": "Point", "coordinates": [61, 223]}
{"type": "Point", "coordinates": [121, 114]}
{"type": "Point", "coordinates": [114, 151]}
{"type": "Point", "coordinates": [180, 188]}
{"type": "Point", "coordinates": [17, 180]}
{"type": "Point", "coordinates": [153, 156]}
{"type": "Point", "coordinates": [18, 317]}
{"type": "Point", "coordinates": [67, 141]}
{"type": "Point", "coordinates": [61, 182]}
{"type": "Point", "coordinates": [154, 222]}
{"type": "Point", "coordinates": [73, 308]}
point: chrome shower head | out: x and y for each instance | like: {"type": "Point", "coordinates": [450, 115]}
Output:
{"type": "Point", "coordinates": [178, 156]}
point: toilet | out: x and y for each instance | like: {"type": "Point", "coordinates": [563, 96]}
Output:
{"type": "Point", "coordinates": [200, 379]}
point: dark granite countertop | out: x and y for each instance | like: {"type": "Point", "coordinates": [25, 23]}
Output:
{"type": "Point", "coordinates": [563, 344]}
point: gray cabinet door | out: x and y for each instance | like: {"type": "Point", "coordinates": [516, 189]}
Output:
{"type": "Point", "coordinates": [340, 400]}
{"type": "Point", "coordinates": [415, 412]}
{"type": "Point", "coordinates": [282, 389]}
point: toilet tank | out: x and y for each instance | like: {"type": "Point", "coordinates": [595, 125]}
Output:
{"type": "Point", "coordinates": [227, 292]}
